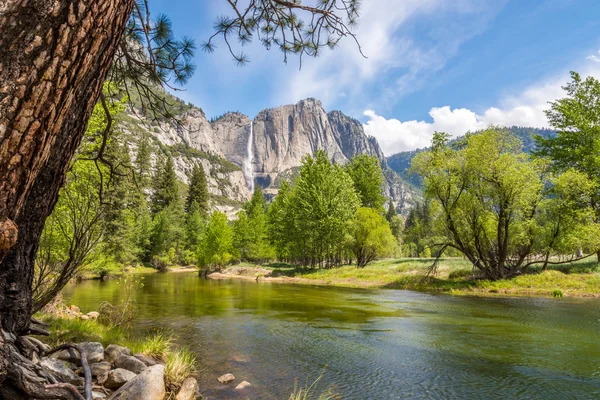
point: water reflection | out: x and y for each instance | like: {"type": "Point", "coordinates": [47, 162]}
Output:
{"type": "Point", "coordinates": [378, 344]}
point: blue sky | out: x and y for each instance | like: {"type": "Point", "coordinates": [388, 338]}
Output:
{"type": "Point", "coordinates": [451, 65]}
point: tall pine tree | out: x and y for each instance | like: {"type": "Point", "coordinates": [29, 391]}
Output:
{"type": "Point", "coordinates": [166, 190]}
{"type": "Point", "coordinates": [198, 192]}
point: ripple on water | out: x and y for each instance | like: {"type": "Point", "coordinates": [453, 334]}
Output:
{"type": "Point", "coordinates": [377, 344]}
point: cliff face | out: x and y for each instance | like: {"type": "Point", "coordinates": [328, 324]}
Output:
{"type": "Point", "coordinates": [237, 152]}
{"type": "Point", "coordinates": [282, 136]}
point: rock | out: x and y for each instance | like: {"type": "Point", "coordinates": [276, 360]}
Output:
{"type": "Point", "coordinates": [75, 309]}
{"type": "Point", "coordinates": [149, 361]}
{"type": "Point", "coordinates": [84, 317]}
{"type": "Point", "coordinates": [188, 389]}
{"type": "Point", "coordinates": [149, 385]}
{"type": "Point", "coordinates": [93, 314]}
{"type": "Point", "coordinates": [226, 378]}
{"type": "Point", "coordinates": [113, 352]}
{"type": "Point", "coordinates": [130, 363]}
{"type": "Point", "coordinates": [118, 377]}
{"type": "Point", "coordinates": [61, 369]}
{"type": "Point", "coordinates": [240, 358]}
{"type": "Point", "coordinates": [102, 378]}
{"type": "Point", "coordinates": [243, 385]}
{"type": "Point", "coordinates": [94, 352]}
{"type": "Point", "coordinates": [99, 395]}
{"type": "Point", "coordinates": [100, 368]}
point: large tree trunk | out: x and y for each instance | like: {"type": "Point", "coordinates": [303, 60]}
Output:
{"type": "Point", "coordinates": [54, 57]}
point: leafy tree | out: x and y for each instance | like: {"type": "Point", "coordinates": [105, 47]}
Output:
{"type": "Point", "coordinates": [371, 237]}
{"type": "Point", "coordinates": [280, 220]}
{"type": "Point", "coordinates": [70, 234]}
{"type": "Point", "coordinates": [122, 208]}
{"type": "Point", "coordinates": [488, 200]}
{"type": "Point", "coordinates": [198, 191]}
{"type": "Point", "coordinates": [418, 233]}
{"type": "Point", "coordinates": [397, 228]}
{"type": "Point", "coordinates": [576, 118]}
{"type": "Point", "coordinates": [251, 230]}
{"type": "Point", "coordinates": [367, 176]}
{"type": "Point", "coordinates": [216, 246]}
{"type": "Point", "coordinates": [195, 223]}
{"type": "Point", "coordinates": [324, 203]}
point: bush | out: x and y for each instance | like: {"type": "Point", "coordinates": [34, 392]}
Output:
{"type": "Point", "coordinates": [557, 293]}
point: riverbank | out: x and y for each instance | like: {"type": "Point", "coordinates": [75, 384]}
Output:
{"type": "Point", "coordinates": [455, 276]}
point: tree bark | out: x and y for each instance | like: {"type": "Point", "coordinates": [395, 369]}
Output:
{"type": "Point", "coordinates": [54, 58]}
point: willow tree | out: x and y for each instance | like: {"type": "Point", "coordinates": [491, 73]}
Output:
{"type": "Point", "coordinates": [54, 58]}
{"type": "Point", "coordinates": [499, 208]}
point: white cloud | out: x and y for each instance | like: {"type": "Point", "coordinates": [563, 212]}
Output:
{"type": "Point", "coordinates": [594, 57]}
{"type": "Point", "coordinates": [396, 64]}
{"type": "Point", "coordinates": [523, 109]}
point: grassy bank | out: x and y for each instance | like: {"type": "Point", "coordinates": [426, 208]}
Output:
{"type": "Point", "coordinates": [455, 275]}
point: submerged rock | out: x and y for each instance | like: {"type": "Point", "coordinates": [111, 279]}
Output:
{"type": "Point", "coordinates": [60, 368]}
{"type": "Point", "coordinates": [149, 385]}
{"type": "Point", "coordinates": [113, 352]}
{"type": "Point", "coordinates": [118, 377]}
{"type": "Point", "coordinates": [130, 363]}
{"type": "Point", "coordinates": [243, 385]}
{"type": "Point", "coordinates": [226, 378]}
{"type": "Point", "coordinates": [188, 389]}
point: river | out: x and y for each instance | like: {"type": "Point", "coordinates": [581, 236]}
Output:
{"type": "Point", "coordinates": [377, 344]}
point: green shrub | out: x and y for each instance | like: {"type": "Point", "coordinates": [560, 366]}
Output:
{"type": "Point", "coordinates": [557, 293]}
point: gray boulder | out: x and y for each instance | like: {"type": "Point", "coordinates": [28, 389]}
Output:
{"type": "Point", "coordinates": [149, 361]}
{"type": "Point", "coordinates": [60, 368]}
{"type": "Point", "coordinates": [113, 352]}
{"type": "Point", "coordinates": [100, 368]}
{"type": "Point", "coordinates": [94, 351]}
{"type": "Point", "coordinates": [130, 363]}
{"type": "Point", "coordinates": [188, 389]}
{"type": "Point", "coordinates": [118, 377]}
{"type": "Point", "coordinates": [149, 385]}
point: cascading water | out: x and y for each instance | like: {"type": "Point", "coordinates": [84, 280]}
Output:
{"type": "Point", "coordinates": [248, 169]}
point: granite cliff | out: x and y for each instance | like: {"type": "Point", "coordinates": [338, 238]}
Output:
{"type": "Point", "coordinates": [238, 153]}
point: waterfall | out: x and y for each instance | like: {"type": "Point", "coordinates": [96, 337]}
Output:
{"type": "Point", "coordinates": [248, 169]}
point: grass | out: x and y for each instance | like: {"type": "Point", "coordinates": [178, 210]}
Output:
{"type": "Point", "coordinates": [309, 392]}
{"type": "Point", "coordinates": [179, 362]}
{"type": "Point", "coordinates": [455, 275]}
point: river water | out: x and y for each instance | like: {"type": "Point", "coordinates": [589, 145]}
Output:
{"type": "Point", "coordinates": [376, 344]}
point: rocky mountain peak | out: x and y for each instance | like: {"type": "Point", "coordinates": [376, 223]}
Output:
{"type": "Point", "coordinates": [239, 153]}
